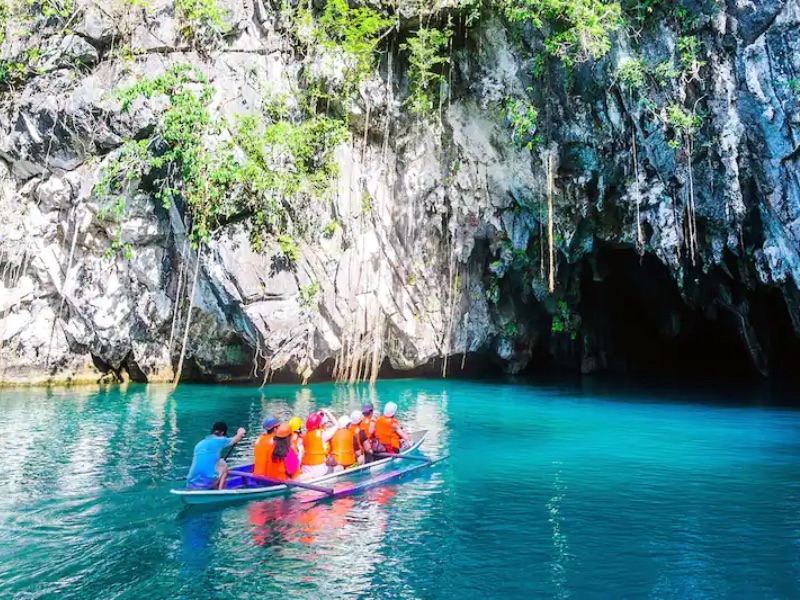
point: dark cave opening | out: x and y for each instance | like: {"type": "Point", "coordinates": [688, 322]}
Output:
{"type": "Point", "coordinates": [636, 323]}
{"type": "Point", "coordinates": [769, 315]}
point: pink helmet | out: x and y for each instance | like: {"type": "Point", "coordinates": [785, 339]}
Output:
{"type": "Point", "coordinates": [313, 421]}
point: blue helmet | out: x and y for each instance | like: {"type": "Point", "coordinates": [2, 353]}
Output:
{"type": "Point", "coordinates": [271, 422]}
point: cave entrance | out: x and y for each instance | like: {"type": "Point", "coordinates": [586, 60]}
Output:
{"type": "Point", "coordinates": [638, 324]}
{"type": "Point", "coordinates": [769, 315]}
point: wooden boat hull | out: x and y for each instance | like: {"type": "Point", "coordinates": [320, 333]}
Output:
{"type": "Point", "coordinates": [235, 491]}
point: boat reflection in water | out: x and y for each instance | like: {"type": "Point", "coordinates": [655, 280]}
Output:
{"type": "Point", "coordinates": [337, 545]}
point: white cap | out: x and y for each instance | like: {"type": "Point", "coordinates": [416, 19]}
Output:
{"type": "Point", "coordinates": [390, 409]}
{"type": "Point", "coordinates": [344, 421]}
{"type": "Point", "coordinates": [355, 417]}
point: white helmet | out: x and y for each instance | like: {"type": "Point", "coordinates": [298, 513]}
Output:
{"type": "Point", "coordinates": [355, 417]}
{"type": "Point", "coordinates": [344, 422]}
{"type": "Point", "coordinates": [390, 409]}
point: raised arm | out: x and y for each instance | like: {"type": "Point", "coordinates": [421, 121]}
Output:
{"type": "Point", "coordinates": [238, 437]}
{"type": "Point", "coordinates": [328, 415]}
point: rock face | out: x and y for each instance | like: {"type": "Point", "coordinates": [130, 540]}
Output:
{"type": "Point", "coordinates": [441, 247]}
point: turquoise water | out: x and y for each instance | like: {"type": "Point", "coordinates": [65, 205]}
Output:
{"type": "Point", "coordinates": [549, 492]}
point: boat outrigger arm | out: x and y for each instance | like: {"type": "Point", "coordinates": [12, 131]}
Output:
{"type": "Point", "coordinates": [383, 478]}
{"type": "Point", "coordinates": [243, 485]}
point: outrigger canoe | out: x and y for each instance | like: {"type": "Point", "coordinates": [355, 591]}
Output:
{"type": "Point", "coordinates": [240, 488]}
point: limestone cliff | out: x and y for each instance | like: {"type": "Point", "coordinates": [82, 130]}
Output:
{"type": "Point", "coordinates": [673, 192]}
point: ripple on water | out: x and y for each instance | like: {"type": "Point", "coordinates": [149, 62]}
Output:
{"type": "Point", "coordinates": [548, 493]}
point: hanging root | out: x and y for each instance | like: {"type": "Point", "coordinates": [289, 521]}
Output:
{"type": "Point", "coordinates": [377, 357]}
{"type": "Point", "coordinates": [177, 307]}
{"type": "Point", "coordinates": [188, 319]}
{"type": "Point", "coordinates": [639, 234]}
{"type": "Point", "coordinates": [690, 208]}
{"type": "Point", "coordinates": [454, 281]}
{"type": "Point", "coordinates": [552, 277]}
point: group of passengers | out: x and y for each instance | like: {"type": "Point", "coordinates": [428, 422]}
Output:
{"type": "Point", "coordinates": [285, 451]}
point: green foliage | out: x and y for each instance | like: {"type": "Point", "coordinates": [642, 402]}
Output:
{"type": "Point", "coordinates": [689, 48]}
{"type": "Point", "coordinates": [289, 248]}
{"type": "Point", "coordinates": [510, 329]}
{"type": "Point", "coordinates": [51, 8]}
{"type": "Point", "coordinates": [580, 30]}
{"type": "Point", "coordinates": [521, 116]}
{"type": "Point", "coordinates": [289, 166]}
{"type": "Point", "coordinates": [354, 33]}
{"type": "Point", "coordinates": [309, 295]}
{"type": "Point", "coordinates": [426, 53]}
{"type": "Point", "coordinates": [202, 20]}
{"type": "Point", "coordinates": [471, 9]}
{"type": "Point", "coordinates": [349, 34]}
{"type": "Point", "coordinates": [6, 14]}
{"type": "Point", "coordinates": [643, 12]}
{"type": "Point", "coordinates": [366, 203]}
{"type": "Point", "coordinates": [632, 74]}
{"type": "Point", "coordinates": [272, 169]}
{"type": "Point", "coordinates": [538, 66]}
{"type": "Point", "coordinates": [126, 250]}
{"type": "Point", "coordinates": [520, 260]}
{"type": "Point", "coordinates": [329, 229]}
{"type": "Point", "coordinates": [133, 161]}
{"type": "Point", "coordinates": [493, 290]}
{"type": "Point", "coordinates": [12, 73]}
{"type": "Point", "coordinates": [681, 121]}
{"type": "Point", "coordinates": [794, 85]}
{"type": "Point", "coordinates": [665, 72]}
{"type": "Point", "coordinates": [687, 20]}
{"type": "Point", "coordinates": [564, 321]}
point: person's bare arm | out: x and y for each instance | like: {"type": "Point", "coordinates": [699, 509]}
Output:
{"type": "Point", "coordinates": [403, 435]}
{"type": "Point", "coordinates": [357, 446]}
{"type": "Point", "coordinates": [328, 415]}
{"type": "Point", "coordinates": [238, 437]}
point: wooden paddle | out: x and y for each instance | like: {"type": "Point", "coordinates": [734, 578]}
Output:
{"type": "Point", "coordinates": [228, 453]}
{"type": "Point", "coordinates": [286, 482]}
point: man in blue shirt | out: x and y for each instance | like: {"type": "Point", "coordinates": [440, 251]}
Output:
{"type": "Point", "coordinates": [208, 470]}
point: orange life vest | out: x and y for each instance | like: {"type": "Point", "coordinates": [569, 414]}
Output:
{"type": "Point", "coordinates": [314, 448]}
{"type": "Point", "coordinates": [262, 453]}
{"type": "Point", "coordinates": [385, 433]}
{"type": "Point", "coordinates": [366, 425]}
{"type": "Point", "coordinates": [356, 431]}
{"type": "Point", "coordinates": [342, 447]}
{"type": "Point", "coordinates": [276, 469]}
{"type": "Point", "coordinates": [295, 439]}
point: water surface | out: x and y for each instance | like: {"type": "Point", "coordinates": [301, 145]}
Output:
{"type": "Point", "coordinates": [550, 491]}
